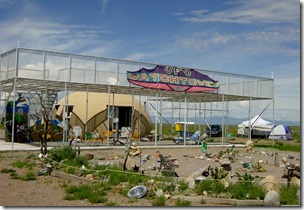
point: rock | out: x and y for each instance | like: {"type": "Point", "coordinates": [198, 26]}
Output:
{"type": "Point", "coordinates": [90, 176]}
{"type": "Point", "coordinates": [225, 163]}
{"type": "Point", "coordinates": [270, 183]}
{"type": "Point", "coordinates": [201, 157]}
{"type": "Point", "coordinates": [159, 193]}
{"type": "Point", "coordinates": [79, 173]}
{"type": "Point", "coordinates": [295, 181]}
{"type": "Point", "coordinates": [284, 159]}
{"type": "Point", "coordinates": [249, 146]}
{"type": "Point", "coordinates": [88, 156]}
{"type": "Point", "coordinates": [249, 143]}
{"type": "Point", "coordinates": [191, 182]}
{"type": "Point", "coordinates": [167, 196]}
{"type": "Point", "coordinates": [272, 198]}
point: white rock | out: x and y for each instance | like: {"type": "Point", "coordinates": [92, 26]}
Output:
{"type": "Point", "coordinates": [272, 198]}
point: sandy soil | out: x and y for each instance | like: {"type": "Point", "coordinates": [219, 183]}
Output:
{"type": "Point", "coordinates": [46, 190]}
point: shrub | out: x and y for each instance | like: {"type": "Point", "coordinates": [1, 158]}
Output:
{"type": "Point", "coordinates": [182, 202]}
{"type": "Point", "coordinates": [246, 190]}
{"type": "Point", "coordinates": [94, 198]}
{"type": "Point", "coordinates": [203, 201]}
{"type": "Point", "coordinates": [218, 173]}
{"type": "Point", "coordinates": [77, 162]}
{"type": "Point", "coordinates": [90, 192]}
{"type": "Point", "coordinates": [159, 201]}
{"type": "Point", "coordinates": [110, 204]}
{"type": "Point", "coordinates": [133, 179]}
{"type": "Point", "coordinates": [211, 186]}
{"type": "Point", "coordinates": [167, 187]}
{"type": "Point", "coordinates": [7, 170]}
{"type": "Point", "coordinates": [288, 195]}
{"type": "Point", "coordinates": [22, 164]}
{"type": "Point", "coordinates": [61, 153]}
{"type": "Point", "coordinates": [29, 176]}
{"type": "Point", "coordinates": [14, 175]}
{"type": "Point", "coordinates": [183, 185]}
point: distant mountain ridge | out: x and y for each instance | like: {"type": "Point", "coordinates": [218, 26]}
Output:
{"type": "Point", "coordinates": [230, 121]}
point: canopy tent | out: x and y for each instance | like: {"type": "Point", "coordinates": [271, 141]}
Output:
{"type": "Point", "coordinates": [260, 128]}
{"type": "Point", "coordinates": [281, 132]}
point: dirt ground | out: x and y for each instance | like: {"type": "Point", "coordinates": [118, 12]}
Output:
{"type": "Point", "coordinates": [46, 190]}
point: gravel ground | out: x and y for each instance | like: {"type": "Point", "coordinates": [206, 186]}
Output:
{"type": "Point", "coordinates": [46, 190]}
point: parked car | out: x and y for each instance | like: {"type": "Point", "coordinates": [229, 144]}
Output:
{"type": "Point", "coordinates": [216, 130]}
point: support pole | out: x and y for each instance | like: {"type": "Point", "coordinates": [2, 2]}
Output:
{"type": "Point", "coordinates": [155, 134]}
{"type": "Point", "coordinates": [249, 122]}
{"type": "Point", "coordinates": [139, 118]}
{"type": "Point", "coordinates": [185, 119]}
{"type": "Point", "coordinates": [223, 100]}
{"type": "Point", "coordinates": [161, 116]}
{"type": "Point", "coordinates": [86, 120]}
{"type": "Point", "coordinates": [14, 109]}
{"type": "Point", "coordinates": [109, 106]}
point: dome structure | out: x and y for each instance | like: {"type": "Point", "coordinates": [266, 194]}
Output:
{"type": "Point", "coordinates": [91, 110]}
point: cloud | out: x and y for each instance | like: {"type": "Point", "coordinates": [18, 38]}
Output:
{"type": "Point", "coordinates": [104, 4]}
{"type": "Point", "coordinates": [243, 12]}
{"type": "Point", "coordinates": [139, 56]}
{"type": "Point", "coordinates": [178, 14]}
{"type": "Point", "coordinates": [243, 104]}
{"type": "Point", "coordinates": [51, 35]}
{"type": "Point", "coordinates": [6, 3]}
{"type": "Point", "coordinates": [273, 40]}
{"type": "Point", "coordinates": [202, 42]}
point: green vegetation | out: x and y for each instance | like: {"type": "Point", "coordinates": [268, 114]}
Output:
{"type": "Point", "coordinates": [159, 201]}
{"type": "Point", "coordinates": [239, 190]}
{"type": "Point", "coordinates": [7, 170]}
{"type": "Point", "coordinates": [168, 132]}
{"type": "Point", "coordinates": [182, 202]}
{"type": "Point", "coordinates": [94, 193]}
{"type": "Point", "coordinates": [288, 195]}
{"type": "Point", "coordinates": [61, 153]}
{"type": "Point", "coordinates": [246, 190]}
{"type": "Point", "coordinates": [281, 146]}
{"type": "Point", "coordinates": [23, 164]}
{"type": "Point", "coordinates": [110, 204]}
{"type": "Point", "coordinates": [213, 187]}
{"type": "Point", "coordinates": [29, 176]}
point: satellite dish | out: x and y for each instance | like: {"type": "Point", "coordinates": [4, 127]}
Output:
{"type": "Point", "coordinates": [112, 81]}
{"type": "Point", "coordinates": [138, 191]}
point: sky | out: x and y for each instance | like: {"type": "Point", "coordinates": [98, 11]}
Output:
{"type": "Point", "coordinates": [256, 38]}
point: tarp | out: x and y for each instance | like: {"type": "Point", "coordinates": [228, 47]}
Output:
{"type": "Point", "coordinates": [281, 132]}
{"type": "Point", "coordinates": [172, 79]}
{"type": "Point", "coordinates": [260, 127]}
{"type": "Point", "coordinates": [256, 121]}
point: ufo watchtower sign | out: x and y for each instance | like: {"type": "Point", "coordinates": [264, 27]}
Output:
{"type": "Point", "coordinates": [172, 78]}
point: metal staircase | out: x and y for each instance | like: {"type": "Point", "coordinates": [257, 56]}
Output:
{"type": "Point", "coordinates": [48, 99]}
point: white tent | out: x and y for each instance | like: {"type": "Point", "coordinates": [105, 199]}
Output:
{"type": "Point", "coordinates": [260, 128]}
{"type": "Point", "coordinates": [281, 132]}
